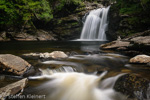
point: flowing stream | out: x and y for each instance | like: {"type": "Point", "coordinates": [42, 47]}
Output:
{"type": "Point", "coordinates": [82, 76]}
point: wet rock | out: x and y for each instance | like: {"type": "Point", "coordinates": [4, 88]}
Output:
{"type": "Point", "coordinates": [14, 65]}
{"type": "Point", "coordinates": [25, 37]}
{"type": "Point", "coordinates": [132, 53]}
{"type": "Point", "coordinates": [54, 55]}
{"type": "Point", "coordinates": [140, 59]}
{"type": "Point", "coordinates": [138, 43]}
{"type": "Point", "coordinates": [38, 35]}
{"type": "Point", "coordinates": [148, 64]}
{"type": "Point", "coordinates": [142, 40]}
{"type": "Point", "coordinates": [13, 88]}
{"type": "Point", "coordinates": [46, 55]}
{"type": "Point", "coordinates": [44, 36]}
{"type": "Point", "coordinates": [72, 53]}
{"type": "Point", "coordinates": [122, 48]}
{"type": "Point", "coordinates": [115, 45]}
{"type": "Point", "coordinates": [133, 86]}
{"type": "Point", "coordinates": [32, 55]}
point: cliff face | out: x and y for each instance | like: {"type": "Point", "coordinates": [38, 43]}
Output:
{"type": "Point", "coordinates": [70, 26]}
{"type": "Point", "coordinates": [128, 17]}
{"type": "Point", "coordinates": [114, 19]}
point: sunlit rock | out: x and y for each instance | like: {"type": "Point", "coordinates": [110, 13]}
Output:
{"type": "Point", "coordinates": [140, 59]}
{"type": "Point", "coordinates": [142, 40]}
{"type": "Point", "coordinates": [47, 55]}
{"type": "Point", "coordinates": [14, 65]}
{"type": "Point", "coordinates": [13, 88]}
{"type": "Point", "coordinates": [54, 55]}
{"type": "Point", "coordinates": [115, 45]}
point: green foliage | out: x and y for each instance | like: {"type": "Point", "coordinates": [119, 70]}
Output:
{"type": "Point", "coordinates": [17, 13]}
{"type": "Point", "coordinates": [64, 7]}
{"type": "Point", "coordinates": [137, 12]}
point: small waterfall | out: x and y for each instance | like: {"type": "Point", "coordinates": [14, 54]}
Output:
{"type": "Point", "coordinates": [95, 25]}
{"type": "Point", "coordinates": [79, 86]}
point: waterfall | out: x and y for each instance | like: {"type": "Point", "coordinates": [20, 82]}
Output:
{"type": "Point", "coordinates": [95, 25]}
{"type": "Point", "coordinates": [79, 86]}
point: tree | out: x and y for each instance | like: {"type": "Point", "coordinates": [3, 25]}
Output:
{"type": "Point", "coordinates": [17, 13]}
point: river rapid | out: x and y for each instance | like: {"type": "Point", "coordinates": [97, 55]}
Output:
{"type": "Point", "coordinates": [79, 73]}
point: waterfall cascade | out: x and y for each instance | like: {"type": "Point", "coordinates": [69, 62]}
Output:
{"type": "Point", "coordinates": [80, 86]}
{"type": "Point", "coordinates": [95, 25]}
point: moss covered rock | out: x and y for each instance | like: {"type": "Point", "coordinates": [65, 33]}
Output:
{"type": "Point", "coordinates": [133, 86]}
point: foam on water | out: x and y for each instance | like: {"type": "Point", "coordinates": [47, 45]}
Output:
{"type": "Point", "coordinates": [79, 86]}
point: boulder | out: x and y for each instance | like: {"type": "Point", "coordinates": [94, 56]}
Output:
{"type": "Point", "coordinates": [134, 86]}
{"type": "Point", "coordinates": [52, 55]}
{"type": "Point", "coordinates": [140, 59]}
{"type": "Point", "coordinates": [14, 65]}
{"type": "Point", "coordinates": [13, 88]}
{"type": "Point", "coordinates": [115, 45]}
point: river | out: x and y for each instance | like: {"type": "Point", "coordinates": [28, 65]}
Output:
{"type": "Point", "coordinates": [85, 57]}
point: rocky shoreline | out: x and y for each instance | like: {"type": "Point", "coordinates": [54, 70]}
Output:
{"type": "Point", "coordinates": [136, 44]}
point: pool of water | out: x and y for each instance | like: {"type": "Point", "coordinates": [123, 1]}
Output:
{"type": "Point", "coordinates": [19, 48]}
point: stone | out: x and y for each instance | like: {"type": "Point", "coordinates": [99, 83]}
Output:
{"type": "Point", "coordinates": [140, 59]}
{"type": "Point", "coordinates": [148, 64]}
{"type": "Point", "coordinates": [121, 48]}
{"type": "Point", "coordinates": [38, 35]}
{"type": "Point", "coordinates": [115, 45]}
{"type": "Point", "coordinates": [142, 40]}
{"type": "Point", "coordinates": [145, 33]}
{"type": "Point", "coordinates": [134, 86]}
{"type": "Point", "coordinates": [13, 88]}
{"type": "Point", "coordinates": [25, 37]}
{"type": "Point", "coordinates": [32, 55]}
{"type": "Point", "coordinates": [44, 36]}
{"type": "Point", "coordinates": [13, 64]}
{"type": "Point", "coordinates": [54, 55]}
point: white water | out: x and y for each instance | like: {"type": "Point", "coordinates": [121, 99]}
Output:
{"type": "Point", "coordinates": [95, 25]}
{"type": "Point", "coordinates": [80, 86]}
